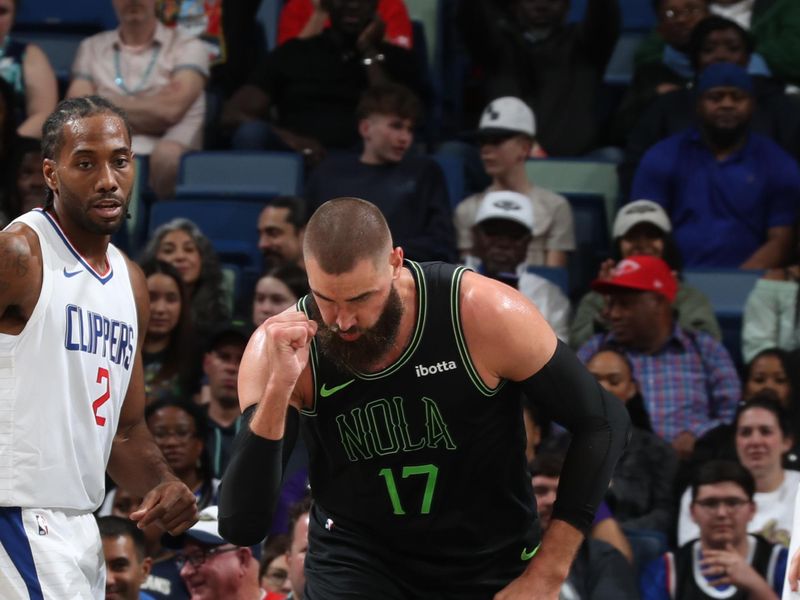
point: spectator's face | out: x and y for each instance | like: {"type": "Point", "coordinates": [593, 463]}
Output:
{"type": "Point", "coordinates": [544, 489]}
{"type": "Point", "coordinates": [124, 503]}
{"type": "Point", "coordinates": [276, 577]}
{"type": "Point", "coordinates": [30, 181]}
{"type": "Point", "coordinates": [125, 572]}
{"type": "Point", "coordinates": [350, 16]}
{"type": "Point", "coordinates": [179, 249]}
{"type": "Point", "coordinates": [387, 138]}
{"type": "Point", "coordinates": [632, 316]}
{"type": "Point", "coordinates": [134, 11]}
{"type": "Point", "coordinates": [723, 45]}
{"type": "Point", "coordinates": [643, 238]}
{"type": "Point", "coordinates": [92, 174]}
{"type": "Point", "coordinates": [767, 372]}
{"type": "Point", "coordinates": [221, 365]}
{"type": "Point", "coordinates": [271, 297]}
{"type": "Point", "coordinates": [503, 153]}
{"type": "Point", "coordinates": [219, 575]}
{"type": "Point", "coordinates": [722, 512]}
{"type": "Point", "coordinates": [613, 373]}
{"type": "Point", "coordinates": [278, 240]}
{"type": "Point", "coordinates": [501, 245]}
{"type": "Point", "coordinates": [541, 13]}
{"type": "Point", "coordinates": [760, 443]}
{"type": "Point", "coordinates": [296, 556]}
{"type": "Point", "coordinates": [725, 109]}
{"type": "Point", "coordinates": [677, 19]}
{"type": "Point", "coordinates": [7, 11]}
{"type": "Point", "coordinates": [175, 433]}
{"type": "Point", "coordinates": [165, 304]}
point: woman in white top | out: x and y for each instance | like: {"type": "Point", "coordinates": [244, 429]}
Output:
{"type": "Point", "coordinates": [763, 436]}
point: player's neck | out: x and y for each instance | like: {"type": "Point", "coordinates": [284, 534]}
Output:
{"type": "Point", "coordinates": [91, 246]}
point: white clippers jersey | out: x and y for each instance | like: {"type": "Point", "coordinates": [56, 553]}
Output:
{"type": "Point", "coordinates": [64, 377]}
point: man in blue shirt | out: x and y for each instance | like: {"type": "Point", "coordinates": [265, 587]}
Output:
{"type": "Point", "coordinates": [731, 194]}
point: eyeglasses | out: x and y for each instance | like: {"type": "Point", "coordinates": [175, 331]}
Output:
{"type": "Point", "coordinates": [691, 11]}
{"type": "Point", "coordinates": [731, 503]}
{"type": "Point", "coordinates": [198, 558]}
{"type": "Point", "coordinates": [180, 434]}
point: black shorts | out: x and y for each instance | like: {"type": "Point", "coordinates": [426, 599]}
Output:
{"type": "Point", "coordinates": [343, 565]}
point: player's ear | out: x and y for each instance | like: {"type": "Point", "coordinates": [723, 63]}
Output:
{"type": "Point", "coordinates": [396, 260]}
{"type": "Point", "coordinates": [49, 170]}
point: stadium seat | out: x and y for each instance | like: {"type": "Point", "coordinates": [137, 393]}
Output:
{"type": "Point", "coordinates": [429, 13]}
{"type": "Point", "coordinates": [268, 16]}
{"type": "Point", "coordinates": [231, 225]}
{"type": "Point", "coordinates": [637, 15]}
{"type": "Point", "coordinates": [61, 15]}
{"type": "Point", "coordinates": [592, 240]}
{"type": "Point", "coordinates": [556, 275]}
{"type": "Point", "coordinates": [727, 290]}
{"type": "Point", "coordinates": [619, 71]}
{"type": "Point", "coordinates": [59, 46]}
{"type": "Point", "coordinates": [243, 175]}
{"type": "Point", "coordinates": [453, 169]}
{"type": "Point", "coordinates": [578, 176]}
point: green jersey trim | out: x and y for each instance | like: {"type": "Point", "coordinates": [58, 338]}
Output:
{"type": "Point", "coordinates": [461, 342]}
{"type": "Point", "coordinates": [313, 360]}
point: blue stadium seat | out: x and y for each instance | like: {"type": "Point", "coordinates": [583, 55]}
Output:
{"type": "Point", "coordinates": [592, 240]}
{"type": "Point", "coordinates": [244, 175]}
{"type": "Point", "coordinates": [231, 225]}
{"type": "Point", "coordinates": [64, 15]}
{"type": "Point", "coordinates": [727, 290]}
{"type": "Point", "coordinates": [453, 169]}
{"type": "Point", "coordinates": [620, 67]}
{"type": "Point", "coordinates": [637, 15]}
{"type": "Point", "coordinates": [59, 46]}
{"type": "Point", "coordinates": [556, 275]}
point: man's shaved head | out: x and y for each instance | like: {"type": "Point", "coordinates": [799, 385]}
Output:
{"type": "Point", "coordinates": [344, 231]}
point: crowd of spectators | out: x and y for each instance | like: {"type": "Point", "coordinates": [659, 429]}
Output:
{"type": "Point", "coordinates": [706, 139]}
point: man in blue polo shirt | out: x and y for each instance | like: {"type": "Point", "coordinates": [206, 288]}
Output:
{"type": "Point", "coordinates": [732, 195]}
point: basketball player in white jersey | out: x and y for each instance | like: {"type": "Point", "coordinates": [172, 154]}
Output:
{"type": "Point", "coordinates": [72, 307]}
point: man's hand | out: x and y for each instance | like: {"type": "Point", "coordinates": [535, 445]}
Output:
{"type": "Point", "coordinates": [171, 505]}
{"type": "Point", "coordinates": [793, 574]}
{"type": "Point", "coordinates": [287, 345]}
{"type": "Point", "coordinates": [684, 445]}
{"type": "Point", "coordinates": [528, 587]}
{"type": "Point", "coordinates": [728, 567]}
{"type": "Point", "coordinates": [372, 35]}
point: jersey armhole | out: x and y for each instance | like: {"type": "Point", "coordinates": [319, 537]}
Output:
{"type": "Point", "coordinates": [461, 340]}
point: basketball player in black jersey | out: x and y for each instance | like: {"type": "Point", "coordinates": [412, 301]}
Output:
{"type": "Point", "coordinates": [407, 379]}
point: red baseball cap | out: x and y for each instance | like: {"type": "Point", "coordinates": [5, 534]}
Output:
{"type": "Point", "coordinates": [644, 273]}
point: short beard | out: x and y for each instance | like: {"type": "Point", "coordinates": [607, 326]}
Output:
{"type": "Point", "coordinates": [362, 354]}
{"type": "Point", "coordinates": [71, 204]}
{"type": "Point", "coordinates": [727, 137]}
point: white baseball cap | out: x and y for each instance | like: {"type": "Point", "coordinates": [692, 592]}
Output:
{"type": "Point", "coordinates": [205, 531]}
{"type": "Point", "coordinates": [507, 115]}
{"type": "Point", "coordinates": [640, 211]}
{"type": "Point", "coordinates": [508, 205]}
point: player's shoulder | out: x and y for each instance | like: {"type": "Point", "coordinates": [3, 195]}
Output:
{"type": "Point", "coordinates": [18, 241]}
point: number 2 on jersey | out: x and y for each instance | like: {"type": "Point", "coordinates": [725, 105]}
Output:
{"type": "Point", "coordinates": [427, 498]}
{"type": "Point", "coordinates": [102, 374]}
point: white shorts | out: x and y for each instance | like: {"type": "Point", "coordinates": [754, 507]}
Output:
{"type": "Point", "coordinates": [50, 554]}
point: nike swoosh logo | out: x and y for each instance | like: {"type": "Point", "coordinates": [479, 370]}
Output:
{"type": "Point", "coordinates": [529, 555]}
{"type": "Point", "coordinates": [326, 391]}
{"type": "Point", "coordinates": [73, 273]}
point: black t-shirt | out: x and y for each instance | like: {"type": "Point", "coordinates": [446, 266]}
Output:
{"type": "Point", "coordinates": [314, 85]}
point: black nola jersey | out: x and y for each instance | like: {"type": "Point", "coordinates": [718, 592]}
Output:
{"type": "Point", "coordinates": [422, 456]}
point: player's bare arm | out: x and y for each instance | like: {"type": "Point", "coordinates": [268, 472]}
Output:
{"type": "Point", "coordinates": [20, 276]}
{"type": "Point", "coordinates": [509, 339]}
{"type": "Point", "coordinates": [136, 463]}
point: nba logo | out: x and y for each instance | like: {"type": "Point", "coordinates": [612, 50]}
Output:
{"type": "Point", "coordinates": [42, 524]}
